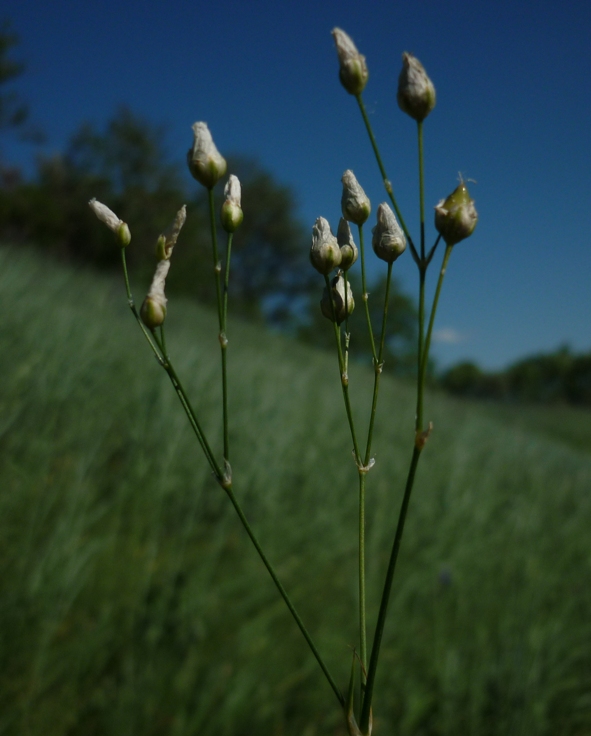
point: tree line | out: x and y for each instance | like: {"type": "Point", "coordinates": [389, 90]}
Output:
{"type": "Point", "coordinates": [561, 376]}
{"type": "Point", "coordinates": [125, 164]}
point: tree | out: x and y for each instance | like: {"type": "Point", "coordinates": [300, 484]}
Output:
{"type": "Point", "coordinates": [13, 111]}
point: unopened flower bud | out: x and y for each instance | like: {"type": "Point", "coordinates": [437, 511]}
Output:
{"type": "Point", "coordinates": [456, 216]}
{"type": "Point", "coordinates": [334, 305]}
{"type": "Point", "coordinates": [167, 240]}
{"type": "Point", "coordinates": [206, 164]}
{"type": "Point", "coordinates": [347, 245]}
{"type": "Point", "coordinates": [353, 69]}
{"type": "Point", "coordinates": [153, 310]}
{"type": "Point", "coordinates": [232, 214]}
{"type": "Point", "coordinates": [325, 253]}
{"type": "Point", "coordinates": [104, 214]}
{"type": "Point", "coordinates": [153, 313]}
{"type": "Point", "coordinates": [416, 93]}
{"type": "Point", "coordinates": [355, 203]}
{"type": "Point", "coordinates": [388, 239]}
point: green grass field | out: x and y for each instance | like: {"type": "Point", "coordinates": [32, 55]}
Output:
{"type": "Point", "coordinates": [132, 603]}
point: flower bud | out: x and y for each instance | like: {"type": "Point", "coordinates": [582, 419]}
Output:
{"type": "Point", "coordinates": [355, 203]}
{"type": "Point", "coordinates": [206, 164]}
{"type": "Point", "coordinates": [325, 253]}
{"type": "Point", "coordinates": [153, 313]}
{"type": "Point", "coordinates": [153, 310]}
{"type": "Point", "coordinates": [353, 69]}
{"type": "Point", "coordinates": [388, 240]}
{"type": "Point", "coordinates": [167, 240]}
{"type": "Point", "coordinates": [232, 214]}
{"type": "Point", "coordinates": [337, 308]}
{"type": "Point", "coordinates": [416, 93]}
{"type": "Point", "coordinates": [104, 214]}
{"type": "Point", "coordinates": [347, 245]}
{"type": "Point", "coordinates": [456, 216]}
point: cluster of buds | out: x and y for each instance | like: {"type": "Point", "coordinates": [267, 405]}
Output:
{"type": "Point", "coordinates": [206, 163]}
{"type": "Point", "coordinates": [456, 216]}
{"type": "Point", "coordinates": [153, 309]}
{"type": "Point", "coordinates": [118, 227]}
{"type": "Point", "coordinates": [328, 252]}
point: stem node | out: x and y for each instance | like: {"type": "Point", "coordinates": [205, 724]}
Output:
{"type": "Point", "coordinates": [421, 437]}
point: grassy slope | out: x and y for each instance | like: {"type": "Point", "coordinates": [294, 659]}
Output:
{"type": "Point", "coordinates": [569, 425]}
{"type": "Point", "coordinates": [133, 604]}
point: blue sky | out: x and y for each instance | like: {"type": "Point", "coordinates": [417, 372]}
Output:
{"type": "Point", "coordinates": [513, 113]}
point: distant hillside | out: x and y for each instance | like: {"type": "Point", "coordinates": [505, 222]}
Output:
{"type": "Point", "coordinates": [561, 377]}
{"type": "Point", "coordinates": [132, 603]}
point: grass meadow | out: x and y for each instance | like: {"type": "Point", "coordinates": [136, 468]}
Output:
{"type": "Point", "coordinates": [132, 603]}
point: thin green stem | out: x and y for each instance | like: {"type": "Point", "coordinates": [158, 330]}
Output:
{"type": "Point", "coordinates": [425, 361]}
{"type": "Point", "coordinates": [224, 346]}
{"type": "Point", "coordinates": [134, 311]}
{"type": "Point", "coordinates": [284, 595]}
{"type": "Point", "coordinates": [222, 307]}
{"type": "Point", "coordinates": [365, 295]}
{"type": "Point", "coordinates": [378, 368]}
{"type": "Point", "coordinates": [362, 474]}
{"type": "Point", "coordinates": [432, 251]}
{"type": "Point", "coordinates": [387, 182]}
{"type": "Point", "coordinates": [343, 374]}
{"type": "Point", "coordinates": [227, 281]}
{"type": "Point", "coordinates": [217, 266]}
{"type": "Point", "coordinates": [420, 439]}
{"type": "Point", "coordinates": [347, 334]}
{"type": "Point", "coordinates": [377, 641]}
{"type": "Point", "coordinates": [158, 346]}
{"type": "Point", "coordinates": [419, 409]}
{"type": "Point", "coordinates": [421, 187]}
{"type": "Point", "coordinates": [362, 616]}
{"type": "Point", "coordinates": [190, 412]}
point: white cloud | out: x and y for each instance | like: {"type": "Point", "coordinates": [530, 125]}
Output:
{"type": "Point", "coordinates": [449, 336]}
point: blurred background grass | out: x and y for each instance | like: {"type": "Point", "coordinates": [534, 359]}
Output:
{"type": "Point", "coordinates": [132, 603]}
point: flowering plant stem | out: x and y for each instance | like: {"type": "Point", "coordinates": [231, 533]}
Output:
{"type": "Point", "coordinates": [387, 182]}
{"type": "Point", "coordinates": [158, 346]}
{"type": "Point", "coordinates": [222, 303]}
{"type": "Point", "coordinates": [343, 373]}
{"type": "Point", "coordinates": [424, 343]}
{"type": "Point", "coordinates": [420, 439]}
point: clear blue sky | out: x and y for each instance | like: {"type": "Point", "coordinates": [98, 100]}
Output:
{"type": "Point", "coordinates": [513, 113]}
